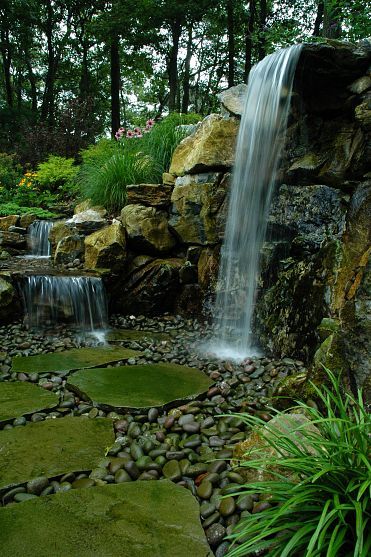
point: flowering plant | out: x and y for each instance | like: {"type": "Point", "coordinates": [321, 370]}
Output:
{"type": "Point", "coordinates": [136, 132]}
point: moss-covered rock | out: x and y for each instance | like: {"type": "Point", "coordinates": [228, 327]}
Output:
{"type": "Point", "coordinates": [150, 195]}
{"type": "Point", "coordinates": [8, 300]}
{"type": "Point", "coordinates": [140, 519]}
{"type": "Point", "coordinates": [19, 398]}
{"type": "Point", "coordinates": [10, 220]}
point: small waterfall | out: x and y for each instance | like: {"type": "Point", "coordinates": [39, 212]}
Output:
{"type": "Point", "coordinates": [260, 140]}
{"type": "Point", "coordinates": [80, 301]}
{"type": "Point", "coordinates": [39, 238]}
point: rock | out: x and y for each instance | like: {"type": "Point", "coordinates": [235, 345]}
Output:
{"type": "Point", "coordinates": [172, 471]}
{"type": "Point", "coordinates": [256, 445]}
{"type": "Point", "coordinates": [87, 221]}
{"type": "Point", "coordinates": [88, 204]}
{"type": "Point", "coordinates": [195, 208]}
{"type": "Point", "coordinates": [150, 195]}
{"type": "Point", "coordinates": [37, 485]}
{"type": "Point", "coordinates": [360, 85]}
{"type": "Point", "coordinates": [363, 115]}
{"type": "Point", "coordinates": [168, 179]}
{"type": "Point", "coordinates": [210, 147]}
{"type": "Point", "coordinates": [18, 398]}
{"type": "Point", "coordinates": [12, 241]}
{"type": "Point", "coordinates": [150, 287]}
{"type": "Point", "coordinates": [147, 229]}
{"type": "Point", "coordinates": [215, 534]}
{"type": "Point", "coordinates": [8, 301]}
{"type": "Point", "coordinates": [99, 521]}
{"type": "Point", "coordinates": [106, 248]}
{"type": "Point", "coordinates": [208, 266]}
{"type": "Point", "coordinates": [6, 222]}
{"type": "Point", "coordinates": [233, 99]}
{"type": "Point", "coordinates": [4, 255]}
{"type": "Point", "coordinates": [68, 249]}
{"type": "Point", "coordinates": [26, 220]}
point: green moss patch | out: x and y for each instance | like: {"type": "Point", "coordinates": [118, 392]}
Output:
{"type": "Point", "coordinates": [117, 335]}
{"type": "Point", "coordinates": [77, 358]}
{"type": "Point", "coordinates": [141, 386]}
{"type": "Point", "coordinates": [142, 519]}
{"type": "Point", "coordinates": [19, 398]}
{"type": "Point", "coordinates": [52, 447]}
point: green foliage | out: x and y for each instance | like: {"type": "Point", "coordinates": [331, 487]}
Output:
{"type": "Point", "coordinates": [109, 166]}
{"type": "Point", "coordinates": [10, 171]}
{"type": "Point", "coordinates": [55, 172]}
{"type": "Point", "coordinates": [320, 497]}
{"type": "Point", "coordinates": [15, 209]}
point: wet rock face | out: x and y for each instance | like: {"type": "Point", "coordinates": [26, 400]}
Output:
{"type": "Point", "coordinates": [8, 301]}
{"type": "Point", "coordinates": [315, 261]}
{"type": "Point", "coordinates": [106, 248]}
{"type": "Point", "coordinates": [147, 229]}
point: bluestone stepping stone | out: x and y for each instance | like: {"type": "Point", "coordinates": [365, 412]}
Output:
{"type": "Point", "coordinates": [141, 386]}
{"type": "Point", "coordinates": [77, 358]}
{"type": "Point", "coordinates": [117, 335]}
{"type": "Point", "coordinates": [19, 398]}
{"type": "Point", "coordinates": [52, 448]}
{"type": "Point", "coordinates": [137, 519]}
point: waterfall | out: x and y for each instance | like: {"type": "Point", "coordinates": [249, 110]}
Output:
{"type": "Point", "coordinates": [39, 238]}
{"type": "Point", "coordinates": [259, 144]}
{"type": "Point", "coordinates": [50, 300]}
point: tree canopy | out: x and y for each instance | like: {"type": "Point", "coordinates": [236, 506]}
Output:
{"type": "Point", "coordinates": [73, 70]}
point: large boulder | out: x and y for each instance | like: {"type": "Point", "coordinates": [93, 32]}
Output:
{"type": "Point", "coordinates": [212, 146]}
{"type": "Point", "coordinates": [68, 249]}
{"type": "Point", "coordinates": [147, 229]}
{"type": "Point", "coordinates": [151, 195]}
{"type": "Point", "coordinates": [233, 99]}
{"type": "Point", "coordinates": [60, 230]}
{"type": "Point", "coordinates": [12, 242]}
{"type": "Point", "coordinates": [106, 248]}
{"type": "Point", "coordinates": [26, 220]}
{"type": "Point", "coordinates": [88, 204]}
{"type": "Point", "coordinates": [87, 221]}
{"type": "Point", "coordinates": [10, 220]}
{"type": "Point", "coordinates": [151, 286]}
{"type": "Point", "coordinates": [198, 208]}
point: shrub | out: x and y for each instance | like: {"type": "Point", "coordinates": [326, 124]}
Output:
{"type": "Point", "coordinates": [10, 171]}
{"type": "Point", "coordinates": [109, 166]}
{"type": "Point", "coordinates": [320, 495]}
{"type": "Point", "coordinates": [55, 172]}
{"type": "Point", "coordinates": [15, 209]}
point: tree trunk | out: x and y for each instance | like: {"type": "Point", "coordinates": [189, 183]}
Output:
{"type": "Point", "coordinates": [331, 21]}
{"type": "Point", "coordinates": [250, 25]}
{"type": "Point", "coordinates": [187, 68]}
{"type": "Point", "coordinates": [115, 86]}
{"type": "Point", "coordinates": [262, 47]}
{"type": "Point", "coordinates": [319, 19]}
{"type": "Point", "coordinates": [47, 108]}
{"type": "Point", "coordinates": [32, 80]}
{"type": "Point", "coordinates": [231, 42]}
{"type": "Point", "coordinates": [84, 79]}
{"type": "Point", "coordinates": [176, 30]}
{"type": "Point", "coordinates": [7, 62]}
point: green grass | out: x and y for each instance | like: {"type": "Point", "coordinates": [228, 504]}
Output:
{"type": "Point", "coordinates": [15, 209]}
{"type": "Point", "coordinates": [324, 508]}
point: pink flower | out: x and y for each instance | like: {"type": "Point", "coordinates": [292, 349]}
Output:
{"type": "Point", "coordinates": [121, 130]}
{"type": "Point", "coordinates": [150, 123]}
{"type": "Point", "coordinates": [139, 134]}
{"type": "Point", "coordinates": [137, 131]}
{"type": "Point", "coordinates": [118, 135]}
{"type": "Point", "coordinates": [130, 133]}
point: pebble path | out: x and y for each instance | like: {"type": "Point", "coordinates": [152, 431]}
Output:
{"type": "Point", "coordinates": [191, 445]}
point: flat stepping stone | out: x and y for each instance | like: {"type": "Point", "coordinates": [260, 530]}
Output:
{"type": "Point", "coordinates": [52, 448]}
{"type": "Point", "coordinates": [141, 386]}
{"type": "Point", "coordinates": [77, 358]}
{"type": "Point", "coordinates": [19, 398]}
{"type": "Point", "coordinates": [117, 335]}
{"type": "Point", "coordinates": [142, 519]}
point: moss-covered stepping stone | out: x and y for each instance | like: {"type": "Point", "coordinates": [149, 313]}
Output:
{"type": "Point", "coordinates": [141, 386]}
{"type": "Point", "coordinates": [19, 398]}
{"type": "Point", "coordinates": [52, 447]}
{"type": "Point", "coordinates": [141, 519]}
{"type": "Point", "coordinates": [118, 335]}
{"type": "Point", "coordinates": [69, 360]}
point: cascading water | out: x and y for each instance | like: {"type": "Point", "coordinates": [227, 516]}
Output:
{"type": "Point", "coordinates": [258, 150]}
{"type": "Point", "coordinates": [50, 300]}
{"type": "Point", "coordinates": [38, 238]}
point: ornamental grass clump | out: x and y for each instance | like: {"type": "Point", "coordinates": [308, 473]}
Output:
{"type": "Point", "coordinates": [318, 487]}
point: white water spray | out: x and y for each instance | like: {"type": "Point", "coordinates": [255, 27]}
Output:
{"type": "Point", "coordinates": [259, 144]}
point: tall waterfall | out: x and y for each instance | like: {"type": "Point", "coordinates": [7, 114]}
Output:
{"type": "Point", "coordinates": [38, 235]}
{"type": "Point", "coordinates": [259, 144]}
{"type": "Point", "coordinates": [50, 300]}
